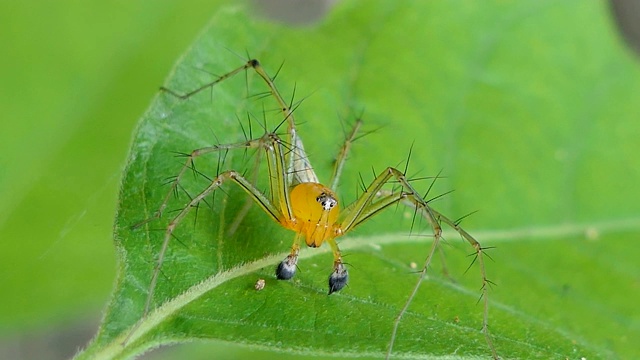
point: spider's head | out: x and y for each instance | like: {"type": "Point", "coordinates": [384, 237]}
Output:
{"type": "Point", "coordinates": [315, 208]}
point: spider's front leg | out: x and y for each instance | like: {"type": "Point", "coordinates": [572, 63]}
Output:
{"type": "Point", "coordinates": [287, 268]}
{"type": "Point", "coordinates": [315, 210]}
{"type": "Point", "coordinates": [227, 176]}
{"type": "Point", "coordinates": [339, 277]}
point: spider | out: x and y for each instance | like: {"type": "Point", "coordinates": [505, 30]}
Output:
{"type": "Point", "coordinates": [298, 201]}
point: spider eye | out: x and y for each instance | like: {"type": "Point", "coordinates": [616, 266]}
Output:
{"type": "Point", "coordinates": [327, 201]}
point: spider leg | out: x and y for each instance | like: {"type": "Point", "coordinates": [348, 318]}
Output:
{"type": "Point", "coordinates": [235, 224]}
{"type": "Point", "coordinates": [277, 205]}
{"type": "Point", "coordinates": [189, 163]}
{"type": "Point", "coordinates": [354, 214]}
{"type": "Point", "coordinates": [342, 155]}
{"type": "Point", "coordinates": [299, 156]}
{"type": "Point", "coordinates": [486, 283]}
{"type": "Point", "coordinates": [375, 199]}
{"type": "Point", "coordinates": [417, 202]}
{"type": "Point", "coordinates": [231, 175]}
{"type": "Point", "coordinates": [209, 85]}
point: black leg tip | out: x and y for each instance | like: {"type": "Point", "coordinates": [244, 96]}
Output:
{"type": "Point", "coordinates": [287, 268]}
{"type": "Point", "coordinates": [338, 279]}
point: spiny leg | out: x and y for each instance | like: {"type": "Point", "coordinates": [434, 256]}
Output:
{"type": "Point", "coordinates": [486, 283]}
{"type": "Point", "coordinates": [342, 155]}
{"type": "Point", "coordinates": [287, 111]}
{"type": "Point", "coordinates": [413, 200]}
{"type": "Point", "coordinates": [230, 175]}
{"type": "Point", "coordinates": [210, 84]}
{"type": "Point", "coordinates": [189, 164]}
{"type": "Point", "coordinates": [297, 158]}
{"type": "Point", "coordinates": [375, 199]}
{"type": "Point", "coordinates": [235, 224]}
{"type": "Point", "coordinates": [416, 203]}
{"type": "Point", "coordinates": [277, 206]}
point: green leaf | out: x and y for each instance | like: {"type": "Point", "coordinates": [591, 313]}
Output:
{"type": "Point", "coordinates": [529, 114]}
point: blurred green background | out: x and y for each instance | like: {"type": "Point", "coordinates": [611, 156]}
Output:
{"type": "Point", "coordinates": [74, 79]}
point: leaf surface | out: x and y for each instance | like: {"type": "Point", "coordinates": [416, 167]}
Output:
{"type": "Point", "coordinates": [529, 114]}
